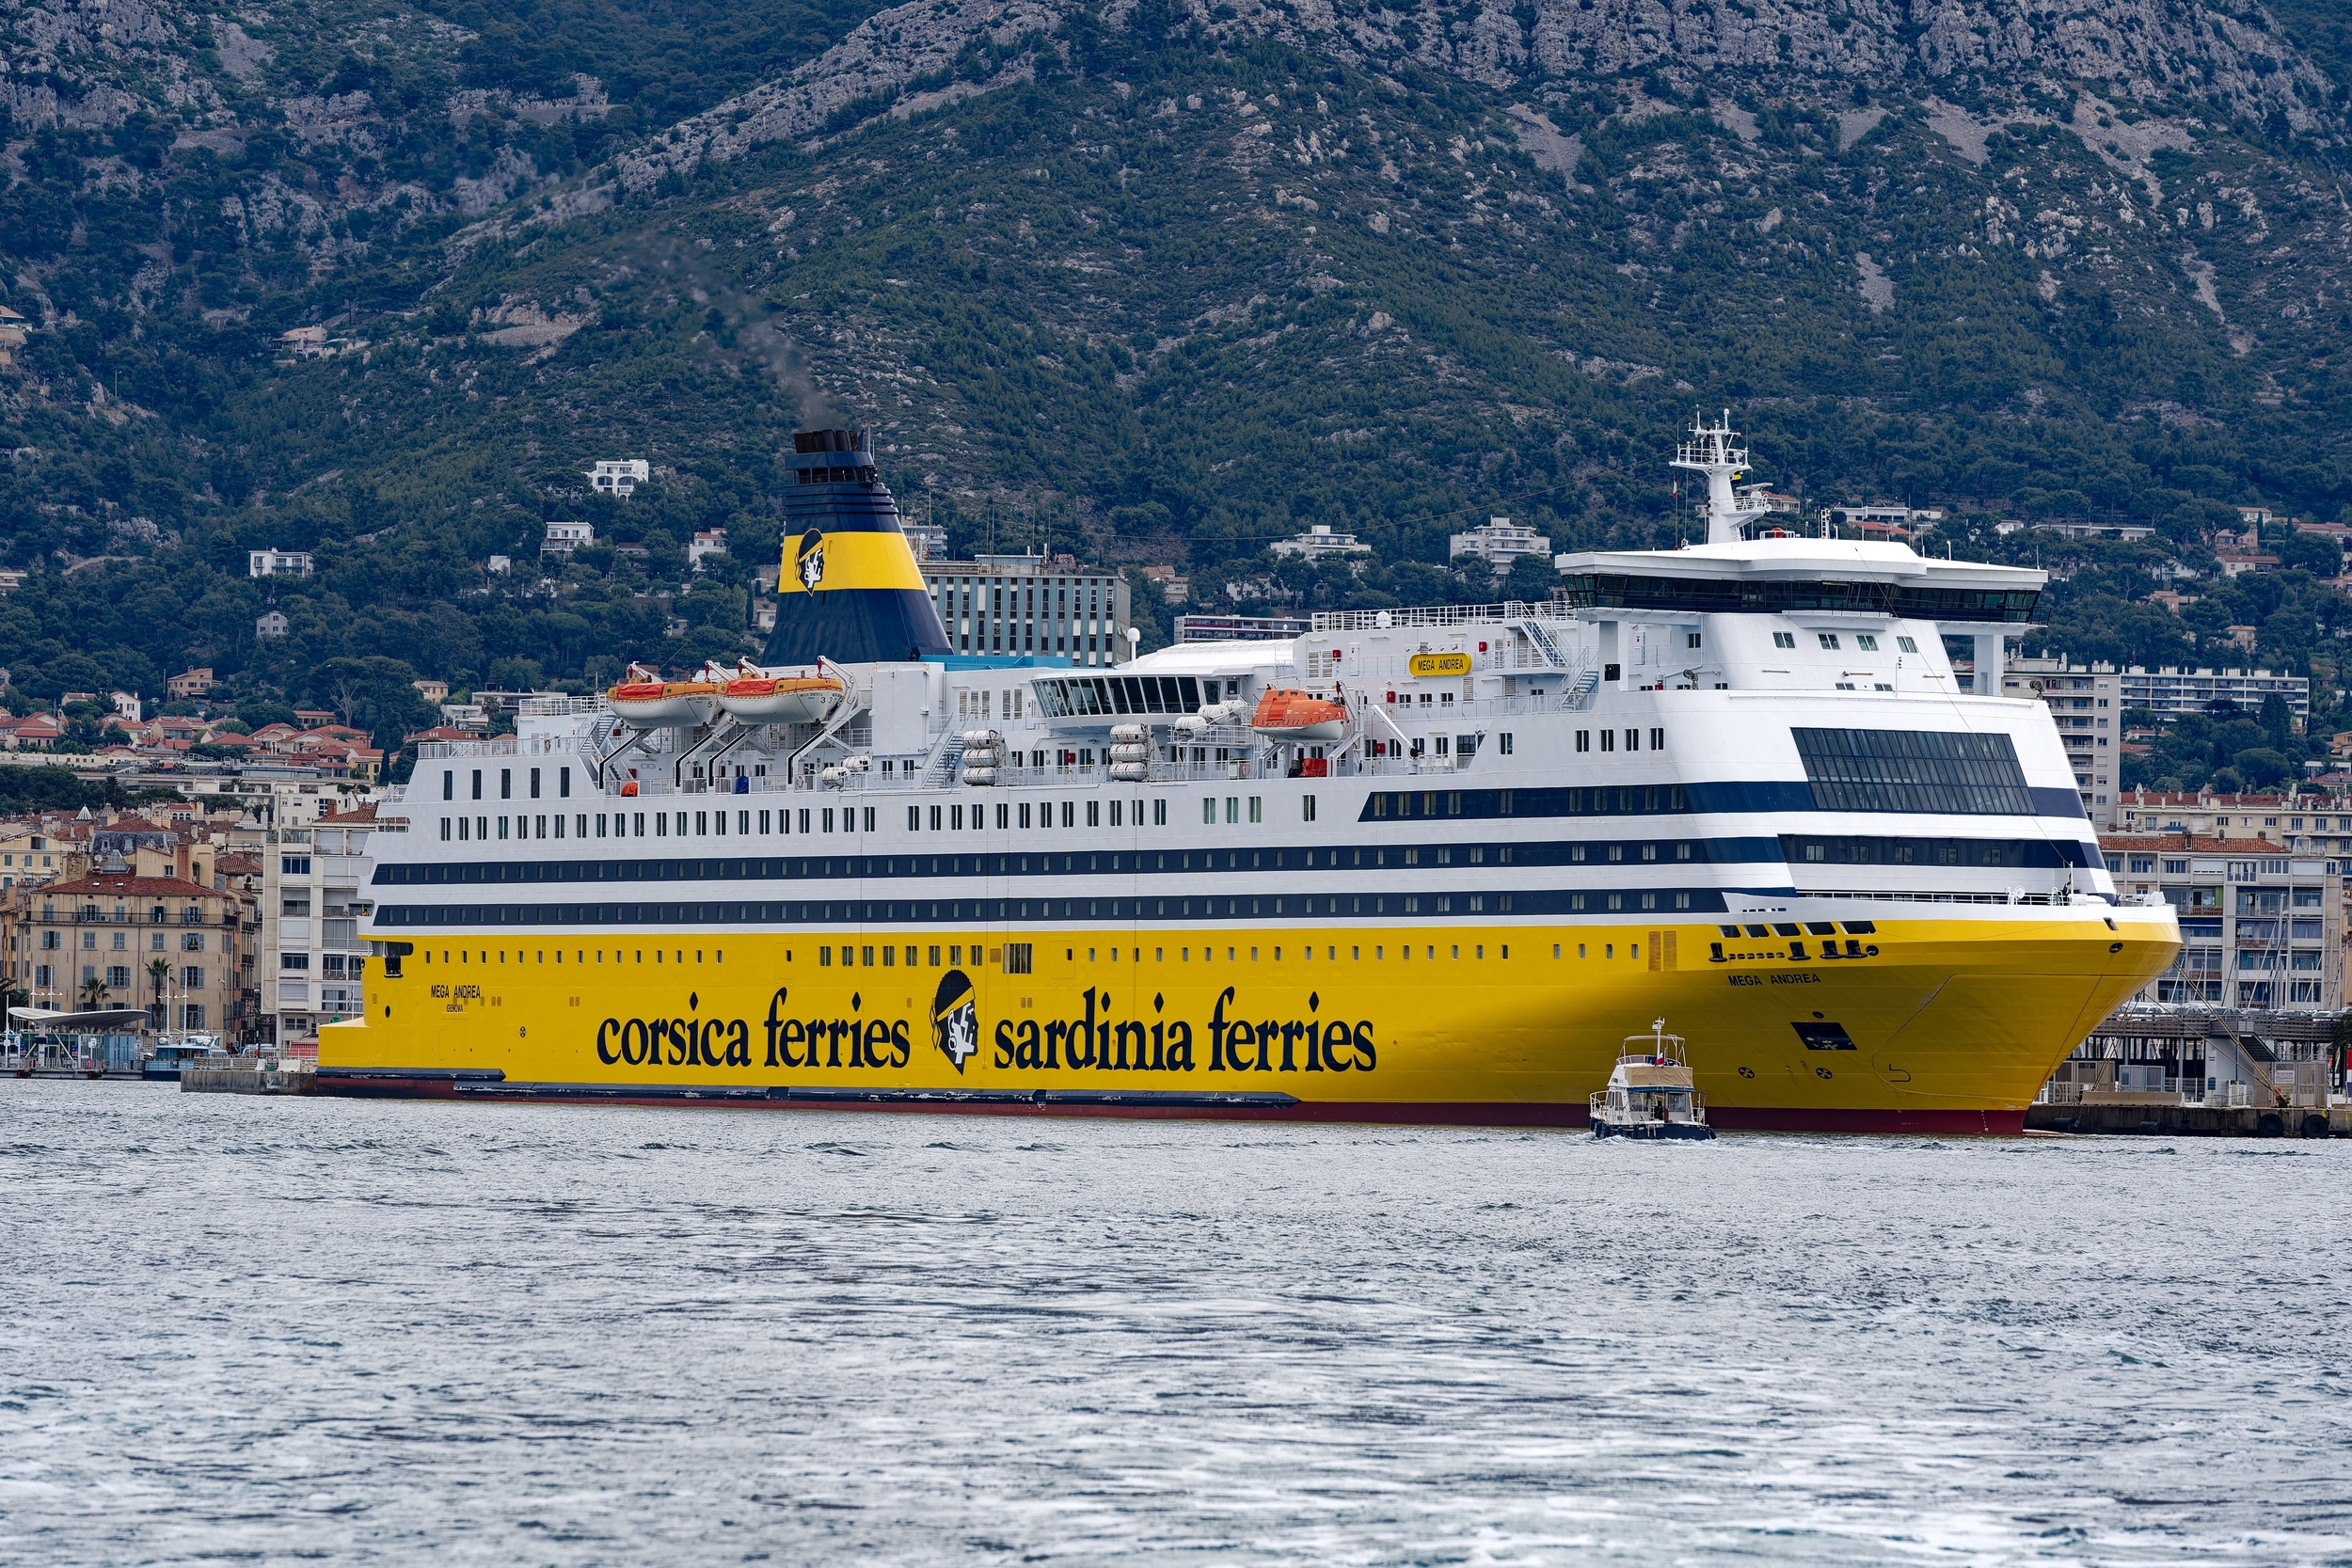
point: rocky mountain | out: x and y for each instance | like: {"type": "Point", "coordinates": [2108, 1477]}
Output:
{"type": "Point", "coordinates": [1156, 282]}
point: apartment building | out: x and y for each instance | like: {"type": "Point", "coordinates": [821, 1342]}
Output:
{"type": "Point", "coordinates": [1318, 542]}
{"type": "Point", "coordinates": [2262, 926]}
{"type": "Point", "coordinates": [30, 853]}
{"type": "Point", "coordinates": [2174, 691]}
{"type": "Point", "coordinates": [274, 563]}
{"type": "Point", "coordinates": [1498, 541]}
{"type": "Point", "coordinates": [313, 893]}
{"type": "Point", "coordinates": [114, 937]}
{"type": "Point", "coordinates": [619, 476]}
{"type": "Point", "coordinates": [2306, 822]}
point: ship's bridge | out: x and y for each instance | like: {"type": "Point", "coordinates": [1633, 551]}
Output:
{"type": "Point", "coordinates": [1843, 614]}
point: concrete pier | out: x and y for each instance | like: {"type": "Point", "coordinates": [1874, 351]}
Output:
{"type": "Point", "coordinates": [249, 1075]}
{"type": "Point", "coordinates": [2195, 1121]}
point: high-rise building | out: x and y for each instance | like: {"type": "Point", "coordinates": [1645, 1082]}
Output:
{"type": "Point", "coordinates": [315, 890]}
{"type": "Point", "coordinates": [1028, 604]}
{"type": "Point", "coordinates": [2086, 702]}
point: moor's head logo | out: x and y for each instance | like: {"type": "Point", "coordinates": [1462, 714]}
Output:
{"type": "Point", "coordinates": [809, 562]}
{"type": "Point", "coordinates": [956, 1019]}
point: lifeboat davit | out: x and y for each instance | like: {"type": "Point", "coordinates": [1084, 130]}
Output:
{"type": "Point", "coordinates": [1291, 715]}
{"type": "Point", "coordinates": [665, 705]}
{"type": "Point", "coordinates": [781, 698]}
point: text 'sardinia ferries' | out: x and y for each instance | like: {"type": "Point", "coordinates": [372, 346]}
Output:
{"type": "Point", "coordinates": [1415, 865]}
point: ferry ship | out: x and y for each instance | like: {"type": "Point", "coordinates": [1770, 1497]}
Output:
{"type": "Point", "coordinates": [1416, 866]}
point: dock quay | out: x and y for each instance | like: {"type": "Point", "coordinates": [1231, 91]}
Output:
{"type": "Point", "coordinates": [250, 1075]}
{"type": "Point", "coordinates": [2201, 1072]}
{"type": "Point", "coordinates": [2194, 1121]}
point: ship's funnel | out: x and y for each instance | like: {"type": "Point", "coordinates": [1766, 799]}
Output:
{"type": "Point", "coordinates": [848, 590]}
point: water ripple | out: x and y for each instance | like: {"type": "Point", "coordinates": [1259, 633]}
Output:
{"type": "Point", "coordinates": [381, 1333]}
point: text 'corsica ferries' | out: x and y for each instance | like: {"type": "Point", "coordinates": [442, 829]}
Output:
{"type": "Point", "coordinates": [1416, 866]}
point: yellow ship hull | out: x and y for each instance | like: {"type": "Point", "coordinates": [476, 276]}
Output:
{"type": "Point", "coordinates": [1949, 1024]}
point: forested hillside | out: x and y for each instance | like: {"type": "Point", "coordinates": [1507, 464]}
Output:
{"type": "Point", "coordinates": [1155, 284]}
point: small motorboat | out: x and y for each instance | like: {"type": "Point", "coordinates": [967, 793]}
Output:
{"type": "Point", "coordinates": [759, 698]}
{"type": "Point", "coordinates": [645, 699]}
{"type": "Point", "coordinates": [1650, 1094]}
{"type": "Point", "coordinates": [1286, 713]}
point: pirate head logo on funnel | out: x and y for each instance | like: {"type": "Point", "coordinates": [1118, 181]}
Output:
{"type": "Point", "coordinates": [956, 1019]}
{"type": "Point", "coordinates": [808, 560]}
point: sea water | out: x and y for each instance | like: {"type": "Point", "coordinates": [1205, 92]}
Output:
{"type": "Point", "coordinates": [269, 1330]}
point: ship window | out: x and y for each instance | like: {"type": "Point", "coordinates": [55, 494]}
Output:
{"type": "Point", "coordinates": [1783, 640]}
{"type": "Point", "coordinates": [1583, 740]}
{"type": "Point", "coordinates": [1906, 646]}
{"type": "Point", "coordinates": [448, 783]}
{"type": "Point", "coordinates": [1821, 928]}
{"type": "Point", "coordinates": [1786, 928]}
{"type": "Point", "coordinates": [1758, 931]}
{"type": "Point", "coordinates": [1829, 639]}
{"type": "Point", "coordinates": [1914, 771]}
{"type": "Point", "coordinates": [1728, 931]}
{"type": "Point", "coordinates": [1865, 641]}
{"type": "Point", "coordinates": [1861, 928]}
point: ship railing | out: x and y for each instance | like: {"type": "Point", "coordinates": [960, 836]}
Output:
{"type": "Point", "coordinates": [1523, 706]}
{"type": "Point", "coordinates": [1887, 895]}
{"type": "Point", "coordinates": [500, 746]}
{"type": "Point", "coordinates": [560, 707]}
{"type": "Point", "coordinates": [1410, 767]}
{"type": "Point", "coordinates": [765, 784]}
{"type": "Point", "coordinates": [1441, 615]}
{"type": "Point", "coordinates": [429, 750]}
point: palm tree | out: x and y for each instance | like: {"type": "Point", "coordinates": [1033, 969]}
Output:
{"type": "Point", "coordinates": [159, 970]}
{"type": "Point", "coordinates": [94, 992]}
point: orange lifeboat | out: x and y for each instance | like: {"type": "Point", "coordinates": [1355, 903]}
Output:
{"type": "Point", "coordinates": [781, 698]}
{"type": "Point", "coordinates": [656, 704]}
{"type": "Point", "coordinates": [1287, 714]}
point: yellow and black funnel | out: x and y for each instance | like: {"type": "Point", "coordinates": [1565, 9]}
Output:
{"type": "Point", "coordinates": [849, 589]}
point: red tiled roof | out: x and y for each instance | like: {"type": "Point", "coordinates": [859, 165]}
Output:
{"type": "Point", "coordinates": [129, 886]}
{"type": "Point", "coordinates": [346, 818]}
{"type": "Point", "coordinates": [2191, 842]}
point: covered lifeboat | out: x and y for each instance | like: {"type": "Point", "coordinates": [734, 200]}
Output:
{"type": "Point", "coordinates": [647, 699]}
{"type": "Point", "coordinates": [1288, 714]}
{"type": "Point", "coordinates": [759, 698]}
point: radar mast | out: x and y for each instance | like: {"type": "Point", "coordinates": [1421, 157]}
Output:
{"type": "Point", "coordinates": [1714, 451]}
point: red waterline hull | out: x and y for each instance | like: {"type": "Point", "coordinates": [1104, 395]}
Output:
{"type": "Point", "coordinates": [1941, 1124]}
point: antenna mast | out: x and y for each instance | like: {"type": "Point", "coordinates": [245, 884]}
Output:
{"type": "Point", "coordinates": [1714, 451]}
